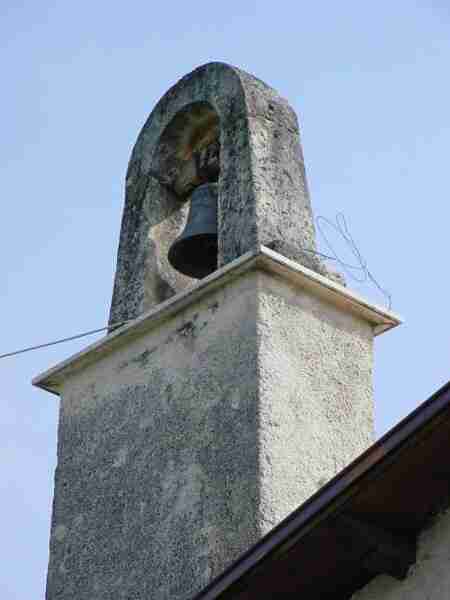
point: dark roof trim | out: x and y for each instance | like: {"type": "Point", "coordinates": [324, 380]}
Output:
{"type": "Point", "coordinates": [334, 494]}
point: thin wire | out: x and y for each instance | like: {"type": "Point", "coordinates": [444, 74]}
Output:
{"type": "Point", "coordinates": [62, 340]}
{"type": "Point", "coordinates": [340, 227]}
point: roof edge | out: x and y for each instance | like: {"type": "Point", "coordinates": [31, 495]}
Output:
{"type": "Point", "coordinates": [332, 498]}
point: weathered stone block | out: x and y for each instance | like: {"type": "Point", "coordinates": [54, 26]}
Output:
{"type": "Point", "coordinates": [217, 124]}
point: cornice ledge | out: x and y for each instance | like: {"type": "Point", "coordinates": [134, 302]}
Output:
{"type": "Point", "coordinates": [263, 258]}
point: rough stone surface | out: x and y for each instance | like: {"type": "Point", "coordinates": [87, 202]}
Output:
{"type": "Point", "coordinates": [428, 579]}
{"type": "Point", "coordinates": [315, 394]}
{"type": "Point", "coordinates": [180, 449]}
{"type": "Point", "coordinates": [152, 495]}
{"type": "Point", "coordinates": [263, 193]}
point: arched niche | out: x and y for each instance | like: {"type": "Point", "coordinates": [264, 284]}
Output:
{"type": "Point", "coordinates": [188, 151]}
{"type": "Point", "coordinates": [252, 135]}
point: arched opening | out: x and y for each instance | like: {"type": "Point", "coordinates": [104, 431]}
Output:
{"type": "Point", "coordinates": [188, 151]}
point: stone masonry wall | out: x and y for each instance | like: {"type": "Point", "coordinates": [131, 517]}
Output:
{"type": "Point", "coordinates": [315, 394]}
{"type": "Point", "coordinates": [180, 449]}
{"type": "Point", "coordinates": [156, 488]}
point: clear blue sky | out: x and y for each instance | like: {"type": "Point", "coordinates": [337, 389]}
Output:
{"type": "Point", "coordinates": [370, 82]}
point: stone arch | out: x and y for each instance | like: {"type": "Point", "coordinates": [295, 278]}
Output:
{"type": "Point", "coordinates": [263, 195]}
{"type": "Point", "coordinates": [179, 161]}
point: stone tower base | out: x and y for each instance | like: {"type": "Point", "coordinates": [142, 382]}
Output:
{"type": "Point", "coordinates": [188, 434]}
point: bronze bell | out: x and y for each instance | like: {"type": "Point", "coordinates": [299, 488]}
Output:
{"type": "Point", "coordinates": [194, 253]}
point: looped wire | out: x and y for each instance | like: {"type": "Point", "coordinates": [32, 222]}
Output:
{"type": "Point", "coordinates": [340, 227]}
{"type": "Point", "coordinates": [360, 271]}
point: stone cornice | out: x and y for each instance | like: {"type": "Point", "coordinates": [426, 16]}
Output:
{"type": "Point", "coordinates": [265, 260]}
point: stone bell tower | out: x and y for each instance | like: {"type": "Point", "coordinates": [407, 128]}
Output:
{"type": "Point", "coordinates": [242, 378]}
